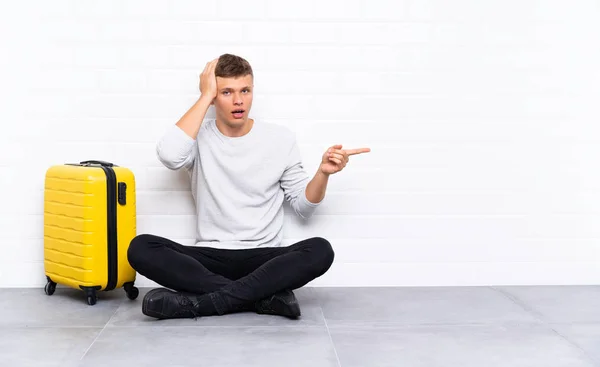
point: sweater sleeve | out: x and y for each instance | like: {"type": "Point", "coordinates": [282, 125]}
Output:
{"type": "Point", "coordinates": [176, 149]}
{"type": "Point", "coordinates": [294, 181]}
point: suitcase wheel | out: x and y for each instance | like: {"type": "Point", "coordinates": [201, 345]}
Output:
{"type": "Point", "coordinates": [90, 293]}
{"type": "Point", "coordinates": [131, 291]}
{"type": "Point", "coordinates": [91, 300]}
{"type": "Point", "coordinates": [50, 287]}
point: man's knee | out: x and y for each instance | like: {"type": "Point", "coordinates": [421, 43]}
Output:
{"type": "Point", "coordinates": [137, 249]}
{"type": "Point", "coordinates": [325, 253]}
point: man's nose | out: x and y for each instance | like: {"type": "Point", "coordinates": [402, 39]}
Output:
{"type": "Point", "coordinates": [237, 100]}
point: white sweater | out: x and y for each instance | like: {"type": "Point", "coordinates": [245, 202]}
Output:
{"type": "Point", "coordinates": [239, 183]}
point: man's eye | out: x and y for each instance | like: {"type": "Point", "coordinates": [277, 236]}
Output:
{"type": "Point", "coordinates": [225, 92]}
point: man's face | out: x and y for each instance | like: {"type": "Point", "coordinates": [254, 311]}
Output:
{"type": "Point", "coordinates": [234, 100]}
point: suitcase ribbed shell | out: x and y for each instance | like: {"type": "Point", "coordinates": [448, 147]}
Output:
{"type": "Point", "coordinates": [76, 226]}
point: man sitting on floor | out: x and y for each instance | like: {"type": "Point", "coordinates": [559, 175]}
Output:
{"type": "Point", "coordinates": [241, 171]}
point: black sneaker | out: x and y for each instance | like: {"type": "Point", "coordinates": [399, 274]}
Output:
{"type": "Point", "coordinates": [162, 303]}
{"type": "Point", "coordinates": [282, 303]}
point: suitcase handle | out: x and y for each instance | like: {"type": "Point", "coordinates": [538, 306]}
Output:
{"type": "Point", "coordinates": [102, 163]}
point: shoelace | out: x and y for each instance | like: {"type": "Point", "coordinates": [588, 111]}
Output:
{"type": "Point", "coordinates": [187, 307]}
{"type": "Point", "coordinates": [266, 304]}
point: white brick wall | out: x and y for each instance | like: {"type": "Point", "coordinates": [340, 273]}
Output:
{"type": "Point", "coordinates": [482, 118]}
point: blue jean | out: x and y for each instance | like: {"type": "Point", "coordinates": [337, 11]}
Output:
{"type": "Point", "coordinates": [234, 279]}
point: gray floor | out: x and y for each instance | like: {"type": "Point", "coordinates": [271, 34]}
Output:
{"type": "Point", "coordinates": [465, 326]}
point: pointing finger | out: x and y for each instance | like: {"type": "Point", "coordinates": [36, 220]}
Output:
{"type": "Point", "coordinates": [358, 151]}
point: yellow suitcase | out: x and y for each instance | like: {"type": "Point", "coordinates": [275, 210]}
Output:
{"type": "Point", "coordinates": [89, 222]}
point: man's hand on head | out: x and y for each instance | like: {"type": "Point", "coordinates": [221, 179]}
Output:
{"type": "Point", "coordinates": [336, 158]}
{"type": "Point", "coordinates": [208, 81]}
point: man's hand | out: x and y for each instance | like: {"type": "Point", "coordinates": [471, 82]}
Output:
{"type": "Point", "coordinates": [208, 81]}
{"type": "Point", "coordinates": [191, 121]}
{"type": "Point", "coordinates": [336, 158]}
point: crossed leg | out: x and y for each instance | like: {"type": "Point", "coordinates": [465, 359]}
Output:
{"type": "Point", "coordinates": [229, 280]}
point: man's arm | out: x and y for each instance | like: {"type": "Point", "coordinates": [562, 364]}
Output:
{"type": "Point", "coordinates": [294, 183]}
{"type": "Point", "coordinates": [175, 148]}
{"type": "Point", "coordinates": [333, 160]}
{"type": "Point", "coordinates": [191, 121]}
{"type": "Point", "coordinates": [315, 190]}
{"type": "Point", "coordinates": [304, 195]}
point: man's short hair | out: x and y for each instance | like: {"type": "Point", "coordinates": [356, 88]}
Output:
{"type": "Point", "coordinates": [232, 66]}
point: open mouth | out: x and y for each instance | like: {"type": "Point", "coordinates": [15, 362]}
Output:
{"type": "Point", "coordinates": [238, 114]}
